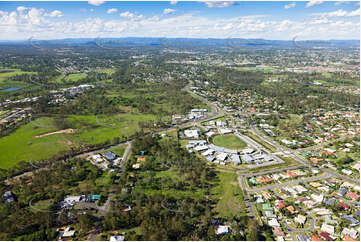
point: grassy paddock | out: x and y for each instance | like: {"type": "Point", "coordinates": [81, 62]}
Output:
{"type": "Point", "coordinates": [229, 196]}
{"type": "Point", "coordinates": [21, 145]}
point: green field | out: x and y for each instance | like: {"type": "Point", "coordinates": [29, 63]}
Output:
{"type": "Point", "coordinates": [119, 151]}
{"type": "Point", "coordinates": [105, 70]}
{"type": "Point", "coordinates": [21, 145]}
{"type": "Point", "coordinates": [43, 204]}
{"type": "Point", "coordinates": [229, 141]}
{"type": "Point", "coordinates": [98, 129]}
{"type": "Point", "coordinates": [74, 77]}
{"type": "Point", "coordinates": [229, 195]}
{"type": "Point", "coordinates": [12, 72]}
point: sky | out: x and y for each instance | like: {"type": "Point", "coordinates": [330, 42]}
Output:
{"type": "Point", "coordinates": [283, 20]}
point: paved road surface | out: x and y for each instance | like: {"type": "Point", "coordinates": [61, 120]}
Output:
{"type": "Point", "coordinates": [98, 224]}
{"type": "Point", "coordinates": [271, 171]}
{"type": "Point", "coordinates": [247, 199]}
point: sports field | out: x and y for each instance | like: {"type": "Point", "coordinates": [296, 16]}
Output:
{"type": "Point", "coordinates": [229, 141]}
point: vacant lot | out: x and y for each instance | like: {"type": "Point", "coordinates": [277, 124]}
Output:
{"type": "Point", "coordinates": [230, 197]}
{"type": "Point", "coordinates": [22, 144]}
{"type": "Point", "coordinates": [29, 142]}
{"type": "Point", "coordinates": [229, 141]}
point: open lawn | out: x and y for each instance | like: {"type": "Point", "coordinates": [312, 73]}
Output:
{"type": "Point", "coordinates": [21, 145]}
{"type": "Point", "coordinates": [6, 73]}
{"type": "Point", "coordinates": [229, 141]}
{"type": "Point", "coordinates": [119, 151]}
{"type": "Point", "coordinates": [43, 204]}
{"type": "Point", "coordinates": [230, 197]}
{"type": "Point", "coordinates": [74, 77]}
{"type": "Point", "coordinates": [105, 70]}
{"type": "Point", "coordinates": [98, 129]}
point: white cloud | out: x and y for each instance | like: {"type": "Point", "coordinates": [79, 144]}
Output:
{"type": "Point", "coordinates": [341, 2]}
{"type": "Point", "coordinates": [127, 14]}
{"type": "Point", "coordinates": [37, 23]}
{"type": "Point", "coordinates": [96, 2]}
{"type": "Point", "coordinates": [354, 13]}
{"type": "Point", "coordinates": [112, 10]}
{"type": "Point", "coordinates": [130, 15]}
{"type": "Point", "coordinates": [291, 5]}
{"type": "Point", "coordinates": [168, 11]}
{"type": "Point", "coordinates": [319, 21]}
{"type": "Point", "coordinates": [173, 2]}
{"type": "Point", "coordinates": [340, 13]}
{"type": "Point", "coordinates": [21, 8]}
{"type": "Point", "coordinates": [313, 3]}
{"type": "Point", "coordinates": [55, 13]}
{"type": "Point", "coordinates": [219, 4]}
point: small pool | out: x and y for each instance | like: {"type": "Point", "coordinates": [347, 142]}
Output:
{"type": "Point", "coordinates": [11, 89]}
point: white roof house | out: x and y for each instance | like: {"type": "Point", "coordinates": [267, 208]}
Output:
{"type": "Point", "coordinates": [300, 219]}
{"type": "Point", "coordinates": [222, 230]}
{"type": "Point", "coordinates": [235, 159]}
{"type": "Point", "coordinates": [68, 232]}
{"type": "Point", "coordinates": [97, 158]}
{"type": "Point", "coordinates": [208, 152]}
{"type": "Point", "coordinates": [247, 151]}
{"type": "Point", "coordinates": [322, 211]}
{"type": "Point", "coordinates": [330, 150]}
{"type": "Point", "coordinates": [72, 200]}
{"type": "Point", "coordinates": [117, 238]}
{"type": "Point", "coordinates": [347, 172]}
{"type": "Point", "coordinates": [222, 156]}
{"type": "Point", "coordinates": [300, 189]}
{"type": "Point", "coordinates": [273, 222]}
{"type": "Point", "coordinates": [327, 228]}
{"type": "Point", "coordinates": [316, 198]}
{"type": "Point", "coordinates": [201, 147]}
{"type": "Point", "coordinates": [225, 131]}
{"type": "Point", "coordinates": [210, 133]}
{"type": "Point", "coordinates": [350, 232]}
{"type": "Point", "coordinates": [191, 133]}
{"type": "Point", "coordinates": [220, 123]}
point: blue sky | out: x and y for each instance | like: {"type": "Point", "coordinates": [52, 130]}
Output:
{"type": "Point", "coordinates": [314, 19]}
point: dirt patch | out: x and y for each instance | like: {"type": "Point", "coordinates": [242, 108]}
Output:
{"type": "Point", "coordinates": [63, 131]}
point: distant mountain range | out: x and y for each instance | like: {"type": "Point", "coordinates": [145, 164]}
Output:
{"type": "Point", "coordinates": [186, 42]}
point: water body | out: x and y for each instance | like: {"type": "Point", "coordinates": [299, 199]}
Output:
{"type": "Point", "coordinates": [11, 89]}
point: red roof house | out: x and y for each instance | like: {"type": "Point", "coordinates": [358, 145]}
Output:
{"type": "Point", "coordinates": [352, 195]}
{"type": "Point", "coordinates": [316, 238]}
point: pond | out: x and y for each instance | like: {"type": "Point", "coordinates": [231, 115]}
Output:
{"type": "Point", "coordinates": [11, 89]}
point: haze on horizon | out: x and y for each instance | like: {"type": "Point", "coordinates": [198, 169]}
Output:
{"type": "Point", "coordinates": [313, 20]}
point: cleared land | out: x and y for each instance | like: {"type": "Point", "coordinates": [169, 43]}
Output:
{"type": "Point", "coordinates": [29, 142]}
{"type": "Point", "coordinates": [64, 131]}
{"type": "Point", "coordinates": [229, 141]}
{"type": "Point", "coordinates": [74, 77]}
{"type": "Point", "coordinates": [229, 195]}
{"type": "Point", "coordinates": [21, 145]}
